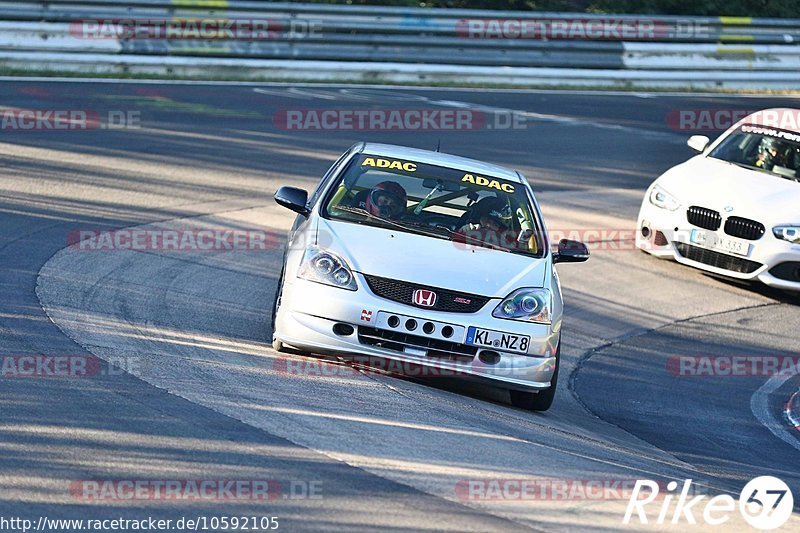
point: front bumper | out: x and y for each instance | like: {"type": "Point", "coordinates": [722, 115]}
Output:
{"type": "Point", "coordinates": [309, 311]}
{"type": "Point", "coordinates": [766, 253]}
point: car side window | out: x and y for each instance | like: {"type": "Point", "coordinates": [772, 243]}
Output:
{"type": "Point", "coordinates": [326, 178]}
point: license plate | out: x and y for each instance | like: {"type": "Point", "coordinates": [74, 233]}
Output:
{"type": "Point", "coordinates": [502, 342]}
{"type": "Point", "coordinates": [714, 241]}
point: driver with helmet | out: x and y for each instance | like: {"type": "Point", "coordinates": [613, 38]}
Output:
{"type": "Point", "coordinates": [772, 152]}
{"type": "Point", "coordinates": [387, 199]}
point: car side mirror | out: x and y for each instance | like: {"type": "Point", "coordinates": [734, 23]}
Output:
{"type": "Point", "coordinates": [294, 199]}
{"type": "Point", "coordinates": [698, 142]}
{"type": "Point", "coordinates": [571, 252]}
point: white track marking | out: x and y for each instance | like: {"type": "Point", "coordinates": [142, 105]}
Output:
{"type": "Point", "coordinates": [759, 405]}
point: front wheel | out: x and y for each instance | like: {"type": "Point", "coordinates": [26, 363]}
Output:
{"type": "Point", "coordinates": [538, 401]}
{"type": "Point", "coordinates": [277, 345]}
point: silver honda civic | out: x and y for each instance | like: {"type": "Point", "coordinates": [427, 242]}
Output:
{"type": "Point", "coordinates": [427, 261]}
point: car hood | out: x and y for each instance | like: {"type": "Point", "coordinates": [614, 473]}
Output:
{"type": "Point", "coordinates": [430, 261]}
{"type": "Point", "coordinates": [733, 190]}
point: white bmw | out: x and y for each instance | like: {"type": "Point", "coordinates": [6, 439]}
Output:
{"type": "Point", "coordinates": [734, 209]}
{"type": "Point", "coordinates": [428, 259]}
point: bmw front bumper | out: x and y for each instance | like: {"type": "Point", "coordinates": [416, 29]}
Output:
{"type": "Point", "coordinates": [766, 253]}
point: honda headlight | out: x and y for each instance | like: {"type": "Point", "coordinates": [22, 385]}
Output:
{"type": "Point", "coordinates": [326, 267]}
{"type": "Point", "coordinates": [789, 233]}
{"type": "Point", "coordinates": [526, 305]}
{"type": "Point", "coordinates": [661, 198]}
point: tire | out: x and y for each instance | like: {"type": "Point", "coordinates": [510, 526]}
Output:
{"type": "Point", "coordinates": [538, 401]}
{"type": "Point", "coordinates": [277, 345]}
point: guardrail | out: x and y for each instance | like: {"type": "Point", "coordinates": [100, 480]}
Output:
{"type": "Point", "coordinates": [378, 43]}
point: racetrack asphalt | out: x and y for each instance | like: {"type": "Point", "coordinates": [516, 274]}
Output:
{"type": "Point", "coordinates": [203, 396]}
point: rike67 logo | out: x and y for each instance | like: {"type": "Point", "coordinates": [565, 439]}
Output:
{"type": "Point", "coordinates": [765, 503]}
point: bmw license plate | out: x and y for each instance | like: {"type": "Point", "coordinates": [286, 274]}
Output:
{"type": "Point", "coordinates": [714, 241]}
{"type": "Point", "coordinates": [502, 342]}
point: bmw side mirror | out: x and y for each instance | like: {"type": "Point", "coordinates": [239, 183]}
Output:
{"type": "Point", "coordinates": [698, 142]}
{"type": "Point", "coordinates": [294, 199]}
{"type": "Point", "coordinates": [571, 252]}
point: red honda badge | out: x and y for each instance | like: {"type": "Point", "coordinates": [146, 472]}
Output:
{"type": "Point", "coordinates": [424, 298]}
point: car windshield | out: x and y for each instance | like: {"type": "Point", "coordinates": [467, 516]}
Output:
{"type": "Point", "coordinates": [458, 205]}
{"type": "Point", "coordinates": [769, 150]}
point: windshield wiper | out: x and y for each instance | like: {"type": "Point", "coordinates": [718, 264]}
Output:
{"type": "Point", "coordinates": [742, 165]}
{"type": "Point", "coordinates": [458, 234]}
{"type": "Point", "coordinates": [421, 227]}
{"type": "Point", "coordinates": [761, 169]}
{"type": "Point", "coordinates": [411, 226]}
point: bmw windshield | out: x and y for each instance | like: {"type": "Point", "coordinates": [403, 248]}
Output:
{"type": "Point", "coordinates": [769, 150]}
{"type": "Point", "coordinates": [438, 202]}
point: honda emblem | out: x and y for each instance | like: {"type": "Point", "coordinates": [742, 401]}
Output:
{"type": "Point", "coordinates": [424, 298]}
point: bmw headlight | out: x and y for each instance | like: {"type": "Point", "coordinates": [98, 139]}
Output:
{"type": "Point", "coordinates": [789, 233]}
{"type": "Point", "coordinates": [661, 198]}
{"type": "Point", "coordinates": [526, 305]}
{"type": "Point", "coordinates": [326, 267]}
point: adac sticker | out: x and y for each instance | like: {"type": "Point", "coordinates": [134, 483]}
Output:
{"type": "Point", "coordinates": [488, 183]}
{"type": "Point", "coordinates": [389, 163]}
